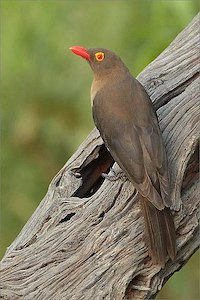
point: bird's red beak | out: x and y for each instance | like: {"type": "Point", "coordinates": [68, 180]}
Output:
{"type": "Point", "coordinates": [80, 51]}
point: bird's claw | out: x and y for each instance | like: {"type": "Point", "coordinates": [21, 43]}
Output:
{"type": "Point", "coordinates": [76, 174]}
{"type": "Point", "coordinates": [116, 176]}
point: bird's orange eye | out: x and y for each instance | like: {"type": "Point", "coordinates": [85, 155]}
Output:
{"type": "Point", "coordinates": [99, 56]}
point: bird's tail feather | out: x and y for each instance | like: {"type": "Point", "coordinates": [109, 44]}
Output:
{"type": "Point", "coordinates": [160, 232]}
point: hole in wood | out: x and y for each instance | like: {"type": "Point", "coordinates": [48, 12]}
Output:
{"type": "Point", "coordinates": [91, 172]}
{"type": "Point", "coordinates": [137, 284]}
{"type": "Point", "coordinates": [101, 216]}
{"type": "Point", "coordinates": [192, 170]}
{"type": "Point", "coordinates": [67, 217]}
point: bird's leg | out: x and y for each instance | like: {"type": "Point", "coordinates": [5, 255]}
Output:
{"type": "Point", "coordinates": [114, 176]}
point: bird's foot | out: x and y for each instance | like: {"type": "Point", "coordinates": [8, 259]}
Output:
{"type": "Point", "coordinates": [115, 176]}
{"type": "Point", "coordinates": [76, 174]}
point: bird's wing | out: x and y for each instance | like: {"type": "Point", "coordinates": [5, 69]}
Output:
{"type": "Point", "coordinates": [128, 152]}
{"type": "Point", "coordinates": [155, 159]}
{"type": "Point", "coordinates": [152, 143]}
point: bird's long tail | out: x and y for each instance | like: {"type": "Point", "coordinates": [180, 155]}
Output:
{"type": "Point", "coordinates": [160, 232]}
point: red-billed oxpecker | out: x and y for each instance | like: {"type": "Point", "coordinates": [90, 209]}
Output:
{"type": "Point", "coordinates": [128, 125]}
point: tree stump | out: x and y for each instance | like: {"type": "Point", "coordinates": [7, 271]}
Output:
{"type": "Point", "coordinates": [86, 238]}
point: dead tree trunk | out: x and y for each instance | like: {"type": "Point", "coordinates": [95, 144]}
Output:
{"type": "Point", "coordinates": [85, 240]}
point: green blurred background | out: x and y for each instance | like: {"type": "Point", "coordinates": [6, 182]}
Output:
{"type": "Point", "coordinates": [45, 92]}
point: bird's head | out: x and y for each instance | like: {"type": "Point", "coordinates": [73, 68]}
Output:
{"type": "Point", "coordinates": [102, 61]}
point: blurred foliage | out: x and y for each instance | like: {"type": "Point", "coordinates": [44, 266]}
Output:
{"type": "Point", "coordinates": [45, 92]}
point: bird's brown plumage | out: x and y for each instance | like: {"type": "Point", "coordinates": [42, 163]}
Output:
{"type": "Point", "coordinates": [125, 117]}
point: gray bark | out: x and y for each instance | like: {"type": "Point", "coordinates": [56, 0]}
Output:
{"type": "Point", "coordinates": [86, 238]}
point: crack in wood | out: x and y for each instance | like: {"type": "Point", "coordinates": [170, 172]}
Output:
{"type": "Point", "coordinates": [175, 92]}
{"type": "Point", "coordinates": [191, 173]}
{"type": "Point", "coordinates": [30, 242]}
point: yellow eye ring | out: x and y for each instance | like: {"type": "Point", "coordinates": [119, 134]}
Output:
{"type": "Point", "coordinates": [99, 56]}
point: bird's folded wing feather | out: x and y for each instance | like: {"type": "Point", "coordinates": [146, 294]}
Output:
{"type": "Point", "coordinates": [127, 152]}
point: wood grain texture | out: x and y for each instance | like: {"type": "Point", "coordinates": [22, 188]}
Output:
{"type": "Point", "coordinates": [86, 238]}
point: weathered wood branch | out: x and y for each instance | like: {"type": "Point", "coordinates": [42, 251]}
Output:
{"type": "Point", "coordinates": [86, 238]}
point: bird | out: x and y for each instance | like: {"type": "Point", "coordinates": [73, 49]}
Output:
{"type": "Point", "coordinates": [126, 119]}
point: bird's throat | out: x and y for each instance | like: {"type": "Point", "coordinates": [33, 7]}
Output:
{"type": "Point", "coordinates": [97, 85]}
